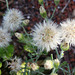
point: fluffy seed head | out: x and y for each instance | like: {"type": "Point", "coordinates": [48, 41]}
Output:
{"type": "Point", "coordinates": [46, 35]}
{"type": "Point", "coordinates": [12, 19]}
{"type": "Point", "coordinates": [33, 66]}
{"type": "Point", "coordinates": [5, 37]}
{"type": "Point", "coordinates": [48, 64]}
{"type": "Point", "coordinates": [15, 64]}
{"type": "Point", "coordinates": [68, 29]}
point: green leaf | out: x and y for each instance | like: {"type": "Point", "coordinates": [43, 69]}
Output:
{"type": "Point", "coordinates": [73, 71]}
{"type": "Point", "coordinates": [56, 2]}
{"type": "Point", "coordinates": [0, 64]}
{"type": "Point", "coordinates": [45, 52]}
{"type": "Point", "coordinates": [9, 52]}
{"type": "Point", "coordinates": [41, 69]}
{"type": "Point", "coordinates": [63, 70]}
{"type": "Point", "coordinates": [0, 72]}
{"type": "Point", "coordinates": [28, 49]}
{"type": "Point", "coordinates": [10, 48]}
{"type": "Point", "coordinates": [6, 52]}
{"type": "Point", "coordinates": [63, 64]}
{"type": "Point", "coordinates": [1, 52]}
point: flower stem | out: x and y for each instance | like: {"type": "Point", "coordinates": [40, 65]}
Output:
{"type": "Point", "coordinates": [61, 54]}
{"type": "Point", "coordinates": [53, 13]}
{"type": "Point", "coordinates": [7, 5]}
{"type": "Point", "coordinates": [57, 54]}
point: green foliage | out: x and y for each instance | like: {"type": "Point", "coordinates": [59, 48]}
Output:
{"type": "Point", "coordinates": [13, 73]}
{"type": "Point", "coordinates": [63, 64]}
{"type": "Point", "coordinates": [28, 49]}
{"type": "Point", "coordinates": [44, 15]}
{"type": "Point", "coordinates": [40, 2]}
{"type": "Point", "coordinates": [73, 71]}
{"type": "Point", "coordinates": [0, 64]}
{"type": "Point", "coordinates": [56, 2]}
{"type": "Point", "coordinates": [0, 72]}
{"type": "Point", "coordinates": [7, 53]}
{"type": "Point", "coordinates": [24, 70]}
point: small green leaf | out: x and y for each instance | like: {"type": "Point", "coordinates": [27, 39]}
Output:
{"type": "Point", "coordinates": [40, 1]}
{"type": "Point", "coordinates": [73, 71]}
{"type": "Point", "coordinates": [28, 49]}
{"type": "Point", "coordinates": [1, 52]}
{"type": "Point", "coordinates": [0, 64]}
{"type": "Point", "coordinates": [45, 52]}
{"type": "Point", "coordinates": [0, 72]}
{"type": "Point", "coordinates": [41, 69]}
{"type": "Point", "coordinates": [56, 2]}
{"type": "Point", "coordinates": [8, 52]}
{"type": "Point", "coordinates": [63, 64]}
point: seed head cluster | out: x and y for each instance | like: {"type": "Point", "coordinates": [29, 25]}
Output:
{"type": "Point", "coordinates": [46, 35]}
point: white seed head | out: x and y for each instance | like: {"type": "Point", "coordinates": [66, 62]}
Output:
{"type": "Point", "coordinates": [33, 66]}
{"type": "Point", "coordinates": [5, 38]}
{"type": "Point", "coordinates": [68, 31]}
{"type": "Point", "coordinates": [15, 64]}
{"type": "Point", "coordinates": [48, 64]}
{"type": "Point", "coordinates": [12, 19]}
{"type": "Point", "coordinates": [46, 35]}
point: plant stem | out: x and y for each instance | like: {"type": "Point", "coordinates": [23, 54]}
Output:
{"type": "Point", "coordinates": [61, 54]}
{"type": "Point", "coordinates": [52, 56]}
{"type": "Point", "coordinates": [40, 72]}
{"type": "Point", "coordinates": [63, 70]}
{"type": "Point", "coordinates": [69, 69]}
{"type": "Point", "coordinates": [53, 70]}
{"type": "Point", "coordinates": [57, 54]}
{"type": "Point", "coordinates": [65, 6]}
{"type": "Point", "coordinates": [53, 13]}
{"type": "Point", "coordinates": [46, 19]}
{"type": "Point", "coordinates": [7, 5]}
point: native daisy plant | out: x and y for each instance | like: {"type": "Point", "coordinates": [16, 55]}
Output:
{"type": "Point", "coordinates": [46, 35]}
{"type": "Point", "coordinates": [12, 19]}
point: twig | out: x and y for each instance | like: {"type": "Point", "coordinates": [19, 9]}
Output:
{"type": "Point", "coordinates": [65, 6]}
{"type": "Point", "coordinates": [7, 5]}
